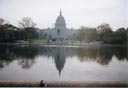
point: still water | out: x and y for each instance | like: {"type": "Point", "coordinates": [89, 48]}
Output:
{"type": "Point", "coordinates": [89, 63]}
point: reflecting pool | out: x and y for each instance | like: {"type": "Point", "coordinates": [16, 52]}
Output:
{"type": "Point", "coordinates": [88, 63]}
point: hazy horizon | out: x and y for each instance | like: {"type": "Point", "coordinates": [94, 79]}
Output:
{"type": "Point", "coordinates": [76, 12]}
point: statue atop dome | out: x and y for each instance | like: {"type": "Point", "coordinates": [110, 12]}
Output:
{"type": "Point", "coordinates": [60, 13]}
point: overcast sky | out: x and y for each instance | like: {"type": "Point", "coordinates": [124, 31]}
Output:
{"type": "Point", "coordinates": [76, 12]}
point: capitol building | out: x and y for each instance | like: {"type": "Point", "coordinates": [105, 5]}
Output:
{"type": "Point", "coordinates": [60, 31]}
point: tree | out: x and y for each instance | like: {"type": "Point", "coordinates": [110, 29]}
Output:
{"type": "Point", "coordinates": [120, 36]}
{"type": "Point", "coordinates": [127, 32]}
{"type": "Point", "coordinates": [7, 33]}
{"type": "Point", "coordinates": [31, 33]}
{"type": "Point", "coordinates": [27, 23]}
{"type": "Point", "coordinates": [105, 33]}
{"type": "Point", "coordinates": [28, 26]}
{"type": "Point", "coordinates": [104, 28]}
{"type": "Point", "coordinates": [21, 35]}
{"type": "Point", "coordinates": [91, 34]}
{"type": "Point", "coordinates": [86, 34]}
{"type": "Point", "coordinates": [2, 21]}
{"type": "Point", "coordinates": [80, 34]}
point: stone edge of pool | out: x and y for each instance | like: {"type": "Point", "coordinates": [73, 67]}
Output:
{"type": "Point", "coordinates": [46, 83]}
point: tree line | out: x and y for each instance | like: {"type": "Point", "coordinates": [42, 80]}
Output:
{"type": "Point", "coordinates": [27, 31]}
{"type": "Point", "coordinates": [10, 33]}
{"type": "Point", "coordinates": [103, 33]}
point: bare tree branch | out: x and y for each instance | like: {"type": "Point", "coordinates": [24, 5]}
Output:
{"type": "Point", "coordinates": [27, 22]}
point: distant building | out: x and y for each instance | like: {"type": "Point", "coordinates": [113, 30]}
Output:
{"type": "Point", "coordinates": [60, 31]}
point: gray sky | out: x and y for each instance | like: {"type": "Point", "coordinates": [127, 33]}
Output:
{"type": "Point", "coordinates": [76, 12]}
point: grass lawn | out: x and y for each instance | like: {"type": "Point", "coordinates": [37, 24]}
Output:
{"type": "Point", "coordinates": [39, 41]}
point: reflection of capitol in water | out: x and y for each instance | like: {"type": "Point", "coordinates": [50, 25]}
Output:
{"type": "Point", "coordinates": [60, 58]}
{"type": "Point", "coordinates": [59, 54]}
{"type": "Point", "coordinates": [26, 55]}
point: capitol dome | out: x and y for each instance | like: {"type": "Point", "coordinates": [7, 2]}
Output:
{"type": "Point", "coordinates": [60, 22]}
{"type": "Point", "coordinates": [59, 33]}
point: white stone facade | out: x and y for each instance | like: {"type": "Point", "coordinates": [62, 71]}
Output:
{"type": "Point", "coordinates": [60, 31]}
